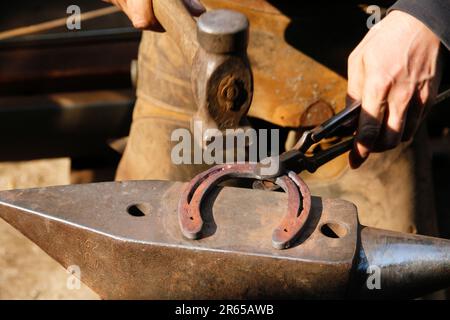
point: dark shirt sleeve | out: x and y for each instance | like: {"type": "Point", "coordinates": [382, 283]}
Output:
{"type": "Point", "coordinates": [435, 14]}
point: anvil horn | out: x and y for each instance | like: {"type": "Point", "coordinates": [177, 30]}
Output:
{"type": "Point", "coordinates": [409, 265]}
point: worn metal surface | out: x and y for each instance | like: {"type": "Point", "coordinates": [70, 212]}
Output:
{"type": "Point", "coordinates": [223, 31]}
{"type": "Point", "coordinates": [124, 256]}
{"type": "Point", "coordinates": [215, 50]}
{"type": "Point", "coordinates": [223, 80]}
{"type": "Point", "coordinates": [129, 253]}
{"type": "Point", "coordinates": [408, 264]}
{"type": "Point", "coordinates": [195, 193]}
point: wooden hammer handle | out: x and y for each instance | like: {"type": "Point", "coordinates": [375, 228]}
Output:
{"type": "Point", "coordinates": [179, 24]}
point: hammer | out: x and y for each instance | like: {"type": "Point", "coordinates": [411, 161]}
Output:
{"type": "Point", "coordinates": [215, 46]}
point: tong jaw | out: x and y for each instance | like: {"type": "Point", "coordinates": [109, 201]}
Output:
{"type": "Point", "coordinates": [341, 125]}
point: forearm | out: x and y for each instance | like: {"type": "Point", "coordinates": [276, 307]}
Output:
{"type": "Point", "coordinates": [435, 14]}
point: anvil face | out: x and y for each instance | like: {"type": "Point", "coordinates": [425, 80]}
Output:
{"type": "Point", "coordinates": [124, 252]}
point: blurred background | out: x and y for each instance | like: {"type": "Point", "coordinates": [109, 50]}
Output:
{"type": "Point", "coordinates": [65, 96]}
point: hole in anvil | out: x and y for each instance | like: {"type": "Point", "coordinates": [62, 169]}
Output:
{"type": "Point", "coordinates": [333, 230]}
{"type": "Point", "coordinates": [139, 210]}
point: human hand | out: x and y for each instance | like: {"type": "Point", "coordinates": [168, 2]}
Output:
{"type": "Point", "coordinates": [141, 13]}
{"type": "Point", "coordinates": [395, 72]}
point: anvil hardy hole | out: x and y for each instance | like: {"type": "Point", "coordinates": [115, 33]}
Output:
{"type": "Point", "coordinates": [333, 230]}
{"type": "Point", "coordinates": [139, 210]}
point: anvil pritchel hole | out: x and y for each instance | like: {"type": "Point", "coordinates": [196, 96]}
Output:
{"type": "Point", "coordinates": [139, 210]}
{"type": "Point", "coordinates": [333, 230]}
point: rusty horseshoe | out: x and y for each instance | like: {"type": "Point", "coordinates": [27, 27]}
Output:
{"type": "Point", "coordinates": [299, 201]}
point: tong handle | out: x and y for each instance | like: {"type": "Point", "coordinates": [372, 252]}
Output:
{"type": "Point", "coordinates": [346, 118]}
{"type": "Point", "coordinates": [323, 157]}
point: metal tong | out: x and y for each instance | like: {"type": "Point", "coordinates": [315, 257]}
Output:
{"type": "Point", "coordinates": [342, 125]}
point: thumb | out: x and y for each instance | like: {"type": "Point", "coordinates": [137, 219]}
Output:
{"type": "Point", "coordinates": [141, 14]}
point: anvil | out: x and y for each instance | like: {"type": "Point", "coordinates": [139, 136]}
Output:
{"type": "Point", "coordinates": [126, 240]}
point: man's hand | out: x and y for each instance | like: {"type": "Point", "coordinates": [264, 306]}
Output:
{"type": "Point", "coordinates": [395, 73]}
{"type": "Point", "coordinates": [141, 13]}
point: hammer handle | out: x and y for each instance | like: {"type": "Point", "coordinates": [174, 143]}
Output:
{"type": "Point", "coordinates": [179, 24]}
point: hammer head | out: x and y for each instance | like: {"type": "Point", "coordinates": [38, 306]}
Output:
{"type": "Point", "coordinates": [221, 75]}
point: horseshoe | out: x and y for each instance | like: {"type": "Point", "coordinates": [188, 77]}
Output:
{"type": "Point", "coordinates": [299, 201]}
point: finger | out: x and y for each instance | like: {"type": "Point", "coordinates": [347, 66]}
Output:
{"type": "Point", "coordinates": [428, 95]}
{"type": "Point", "coordinates": [424, 98]}
{"type": "Point", "coordinates": [414, 116]}
{"type": "Point", "coordinates": [355, 81]}
{"type": "Point", "coordinates": [355, 71]}
{"type": "Point", "coordinates": [141, 14]}
{"type": "Point", "coordinates": [195, 7]}
{"type": "Point", "coordinates": [399, 104]}
{"type": "Point", "coordinates": [374, 105]}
